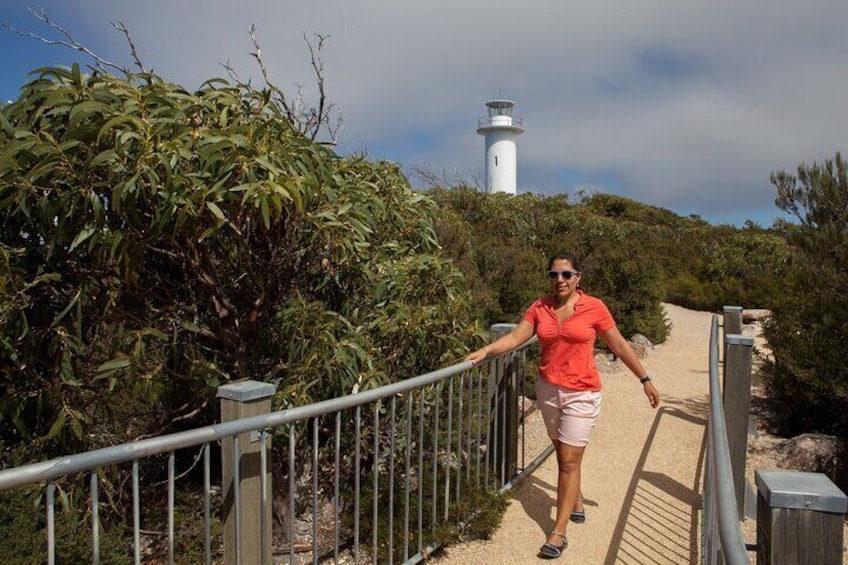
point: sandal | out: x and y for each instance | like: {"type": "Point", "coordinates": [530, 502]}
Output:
{"type": "Point", "coordinates": [578, 516]}
{"type": "Point", "coordinates": [551, 551]}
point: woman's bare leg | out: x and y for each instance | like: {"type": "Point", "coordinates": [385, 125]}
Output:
{"type": "Point", "coordinates": [569, 458]}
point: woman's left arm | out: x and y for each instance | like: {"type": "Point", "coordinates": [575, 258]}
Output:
{"type": "Point", "coordinates": [621, 349]}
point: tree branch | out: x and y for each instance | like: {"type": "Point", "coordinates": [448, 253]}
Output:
{"type": "Point", "coordinates": [309, 120]}
{"type": "Point", "coordinates": [70, 42]}
{"type": "Point", "coordinates": [123, 29]}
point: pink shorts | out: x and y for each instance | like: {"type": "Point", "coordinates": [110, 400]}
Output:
{"type": "Point", "coordinates": [569, 415]}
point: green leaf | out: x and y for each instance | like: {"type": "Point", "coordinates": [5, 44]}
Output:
{"type": "Point", "coordinates": [117, 121]}
{"type": "Point", "coordinates": [267, 165]}
{"type": "Point", "coordinates": [84, 234]}
{"type": "Point", "coordinates": [76, 75]}
{"type": "Point", "coordinates": [107, 156]}
{"type": "Point", "coordinates": [77, 428]}
{"type": "Point", "coordinates": [57, 425]}
{"type": "Point", "coordinates": [114, 364]}
{"type": "Point", "coordinates": [66, 370]}
{"type": "Point", "coordinates": [266, 214]}
{"type": "Point", "coordinates": [8, 129]}
{"type": "Point", "coordinates": [82, 110]}
{"type": "Point", "coordinates": [215, 210]}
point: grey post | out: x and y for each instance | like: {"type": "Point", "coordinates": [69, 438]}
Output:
{"type": "Point", "coordinates": [799, 518]}
{"type": "Point", "coordinates": [506, 438]}
{"type": "Point", "coordinates": [239, 400]}
{"type": "Point", "coordinates": [732, 324]}
{"type": "Point", "coordinates": [737, 402]}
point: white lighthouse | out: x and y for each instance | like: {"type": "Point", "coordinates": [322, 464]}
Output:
{"type": "Point", "coordinates": [500, 130]}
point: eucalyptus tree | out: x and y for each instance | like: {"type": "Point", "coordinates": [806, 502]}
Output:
{"type": "Point", "coordinates": [156, 242]}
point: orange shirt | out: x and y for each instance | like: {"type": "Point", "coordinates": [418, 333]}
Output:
{"type": "Point", "coordinates": [568, 347]}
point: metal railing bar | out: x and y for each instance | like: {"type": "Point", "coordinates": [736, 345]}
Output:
{"type": "Point", "coordinates": [479, 371]}
{"type": "Point", "coordinates": [237, 497]}
{"type": "Point", "coordinates": [449, 447]}
{"type": "Point", "coordinates": [356, 486]}
{"type": "Point", "coordinates": [338, 445]}
{"type": "Point", "coordinates": [489, 399]}
{"type": "Point", "coordinates": [136, 515]}
{"type": "Point", "coordinates": [469, 436]}
{"type": "Point", "coordinates": [521, 374]}
{"type": "Point", "coordinates": [437, 400]}
{"type": "Point", "coordinates": [315, 491]}
{"type": "Point", "coordinates": [503, 447]}
{"type": "Point", "coordinates": [496, 451]}
{"type": "Point", "coordinates": [727, 513]}
{"type": "Point", "coordinates": [460, 410]}
{"type": "Point", "coordinates": [171, 465]}
{"type": "Point", "coordinates": [263, 496]}
{"type": "Point", "coordinates": [408, 467]}
{"type": "Point", "coordinates": [375, 478]}
{"type": "Point", "coordinates": [95, 520]}
{"type": "Point", "coordinates": [61, 466]}
{"type": "Point", "coordinates": [292, 493]}
{"type": "Point", "coordinates": [392, 479]}
{"type": "Point", "coordinates": [51, 524]}
{"type": "Point", "coordinates": [207, 503]}
{"type": "Point", "coordinates": [421, 405]}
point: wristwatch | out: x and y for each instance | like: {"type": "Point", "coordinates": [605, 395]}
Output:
{"type": "Point", "coordinates": [645, 379]}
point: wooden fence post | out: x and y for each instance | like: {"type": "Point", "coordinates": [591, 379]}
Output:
{"type": "Point", "coordinates": [736, 398]}
{"type": "Point", "coordinates": [239, 400]}
{"type": "Point", "coordinates": [731, 324]}
{"type": "Point", "coordinates": [799, 518]}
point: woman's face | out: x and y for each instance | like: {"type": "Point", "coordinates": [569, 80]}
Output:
{"type": "Point", "coordinates": [561, 286]}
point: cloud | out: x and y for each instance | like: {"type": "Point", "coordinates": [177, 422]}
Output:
{"type": "Point", "coordinates": [685, 105]}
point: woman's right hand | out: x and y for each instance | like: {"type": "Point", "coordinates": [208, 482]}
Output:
{"type": "Point", "coordinates": [477, 356]}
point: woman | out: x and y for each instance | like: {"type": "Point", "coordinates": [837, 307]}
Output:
{"type": "Point", "coordinates": [568, 387]}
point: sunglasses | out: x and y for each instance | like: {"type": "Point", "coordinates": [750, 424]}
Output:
{"type": "Point", "coordinates": [566, 275]}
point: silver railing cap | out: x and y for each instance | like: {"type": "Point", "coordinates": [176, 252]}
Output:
{"type": "Point", "coordinates": [800, 490]}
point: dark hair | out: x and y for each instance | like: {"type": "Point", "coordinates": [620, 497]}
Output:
{"type": "Point", "coordinates": [570, 257]}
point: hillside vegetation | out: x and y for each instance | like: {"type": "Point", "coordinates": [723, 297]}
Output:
{"type": "Point", "coordinates": [635, 256]}
{"type": "Point", "coordinates": [157, 242]}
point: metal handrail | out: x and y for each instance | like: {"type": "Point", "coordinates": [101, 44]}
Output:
{"type": "Point", "coordinates": [472, 384]}
{"type": "Point", "coordinates": [721, 514]}
{"type": "Point", "coordinates": [61, 466]}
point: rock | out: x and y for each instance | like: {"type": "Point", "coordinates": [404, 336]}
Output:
{"type": "Point", "coordinates": [641, 345]}
{"type": "Point", "coordinates": [639, 339]}
{"type": "Point", "coordinates": [813, 453]}
{"type": "Point", "coordinates": [525, 406]}
{"type": "Point", "coordinates": [755, 315]}
{"type": "Point", "coordinates": [604, 362]}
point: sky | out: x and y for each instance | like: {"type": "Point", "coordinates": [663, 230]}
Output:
{"type": "Point", "coordinates": [689, 105]}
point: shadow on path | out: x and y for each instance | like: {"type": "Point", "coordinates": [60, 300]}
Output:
{"type": "Point", "coordinates": [657, 507]}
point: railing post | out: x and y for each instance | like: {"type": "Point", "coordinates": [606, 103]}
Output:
{"type": "Point", "coordinates": [799, 518]}
{"type": "Point", "coordinates": [506, 438]}
{"type": "Point", "coordinates": [242, 400]}
{"type": "Point", "coordinates": [736, 397]}
{"type": "Point", "coordinates": [731, 324]}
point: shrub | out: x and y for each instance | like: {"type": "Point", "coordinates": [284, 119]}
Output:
{"type": "Point", "coordinates": [809, 323]}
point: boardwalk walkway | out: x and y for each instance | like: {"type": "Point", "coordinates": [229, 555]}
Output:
{"type": "Point", "coordinates": [641, 473]}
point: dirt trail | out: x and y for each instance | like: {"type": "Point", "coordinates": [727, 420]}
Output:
{"type": "Point", "coordinates": [641, 472]}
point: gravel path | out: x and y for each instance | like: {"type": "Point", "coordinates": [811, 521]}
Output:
{"type": "Point", "coordinates": [641, 471]}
